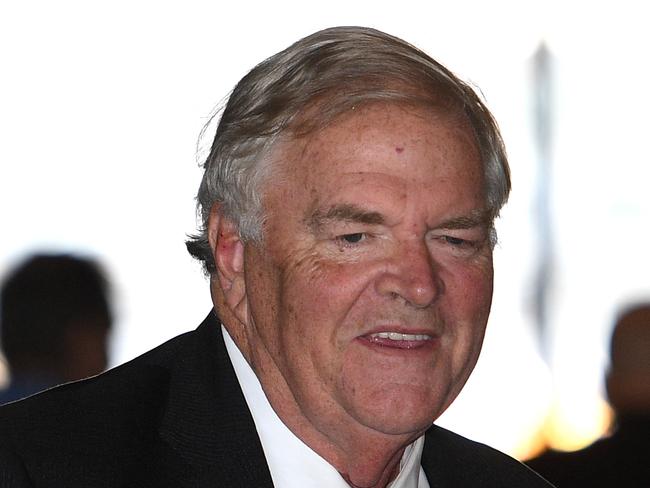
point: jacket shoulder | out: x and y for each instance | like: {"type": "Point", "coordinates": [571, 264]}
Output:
{"type": "Point", "coordinates": [115, 390]}
{"type": "Point", "coordinates": [455, 461]}
{"type": "Point", "coordinates": [113, 417]}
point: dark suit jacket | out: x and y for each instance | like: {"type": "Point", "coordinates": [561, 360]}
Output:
{"type": "Point", "coordinates": [176, 417]}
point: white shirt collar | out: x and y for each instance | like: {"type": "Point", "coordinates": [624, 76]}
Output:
{"type": "Point", "coordinates": [292, 463]}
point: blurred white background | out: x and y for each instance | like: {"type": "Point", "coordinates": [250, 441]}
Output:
{"type": "Point", "coordinates": [101, 104]}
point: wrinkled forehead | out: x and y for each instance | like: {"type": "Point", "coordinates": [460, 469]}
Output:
{"type": "Point", "coordinates": [295, 145]}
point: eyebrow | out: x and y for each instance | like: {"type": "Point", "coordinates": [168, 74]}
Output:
{"type": "Point", "coordinates": [348, 212]}
{"type": "Point", "coordinates": [475, 219]}
{"type": "Point", "coordinates": [345, 212]}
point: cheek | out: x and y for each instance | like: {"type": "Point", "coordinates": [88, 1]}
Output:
{"type": "Point", "coordinates": [319, 302]}
{"type": "Point", "coordinates": [467, 307]}
{"type": "Point", "coordinates": [321, 288]}
{"type": "Point", "coordinates": [469, 287]}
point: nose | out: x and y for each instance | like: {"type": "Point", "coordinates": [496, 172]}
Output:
{"type": "Point", "coordinates": [413, 276]}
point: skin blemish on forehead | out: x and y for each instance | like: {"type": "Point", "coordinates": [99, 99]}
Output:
{"type": "Point", "coordinates": [399, 150]}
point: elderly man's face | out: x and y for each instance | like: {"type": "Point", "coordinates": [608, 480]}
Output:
{"type": "Point", "coordinates": [367, 302]}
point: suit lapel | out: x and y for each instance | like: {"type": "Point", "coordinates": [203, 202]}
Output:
{"type": "Point", "coordinates": [207, 422]}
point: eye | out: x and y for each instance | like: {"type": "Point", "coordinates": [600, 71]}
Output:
{"type": "Point", "coordinates": [457, 241]}
{"type": "Point", "coordinates": [460, 243]}
{"type": "Point", "coordinates": [351, 238]}
{"type": "Point", "coordinates": [351, 241]}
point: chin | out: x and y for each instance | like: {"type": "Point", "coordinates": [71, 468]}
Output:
{"type": "Point", "coordinates": [402, 413]}
{"type": "Point", "coordinates": [401, 426]}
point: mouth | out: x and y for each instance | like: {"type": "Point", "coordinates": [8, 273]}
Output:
{"type": "Point", "coordinates": [398, 340]}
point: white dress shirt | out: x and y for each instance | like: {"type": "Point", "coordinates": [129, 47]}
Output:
{"type": "Point", "coordinates": [291, 462]}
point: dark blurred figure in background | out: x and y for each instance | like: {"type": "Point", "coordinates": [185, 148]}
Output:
{"type": "Point", "coordinates": [54, 322]}
{"type": "Point", "coordinates": [621, 460]}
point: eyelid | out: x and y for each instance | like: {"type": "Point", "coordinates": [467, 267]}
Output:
{"type": "Point", "coordinates": [468, 233]}
{"type": "Point", "coordinates": [340, 228]}
{"type": "Point", "coordinates": [471, 239]}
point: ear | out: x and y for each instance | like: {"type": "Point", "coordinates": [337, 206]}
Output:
{"type": "Point", "coordinates": [228, 253]}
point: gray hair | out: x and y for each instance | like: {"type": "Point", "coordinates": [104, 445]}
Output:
{"type": "Point", "coordinates": [304, 88]}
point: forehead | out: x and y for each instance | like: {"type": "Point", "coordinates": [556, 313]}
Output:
{"type": "Point", "coordinates": [384, 140]}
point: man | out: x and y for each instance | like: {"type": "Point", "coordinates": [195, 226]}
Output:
{"type": "Point", "coordinates": [621, 459]}
{"type": "Point", "coordinates": [55, 318]}
{"type": "Point", "coordinates": [348, 204]}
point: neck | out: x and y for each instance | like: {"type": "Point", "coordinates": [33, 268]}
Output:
{"type": "Point", "coordinates": [364, 459]}
{"type": "Point", "coordinates": [372, 478]}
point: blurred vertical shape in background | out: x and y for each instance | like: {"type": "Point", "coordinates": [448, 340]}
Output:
{"type": "Point", "coordinates": [542, 123]}
{"type": "Point", "coordinates": [55, 318]}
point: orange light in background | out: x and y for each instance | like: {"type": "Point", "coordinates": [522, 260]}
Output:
{"type": "Point", "coordinates": [570, 426]}
{"type": "Point", "coordinates": [4, 374]}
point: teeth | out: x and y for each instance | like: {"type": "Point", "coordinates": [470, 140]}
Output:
{"type": "Point", "coordinates": [396, 336]}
